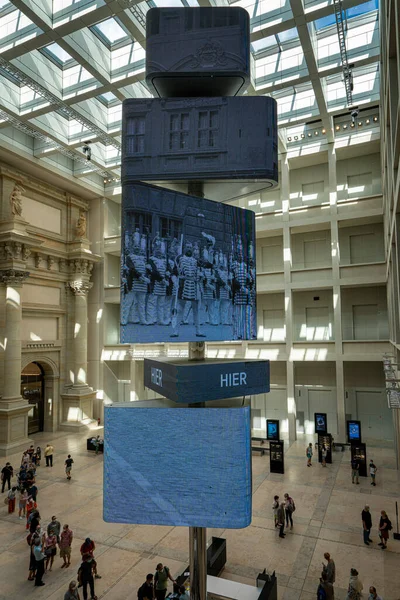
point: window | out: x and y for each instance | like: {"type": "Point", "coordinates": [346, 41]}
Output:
{"type": "Point", "coordinates": [170, 228]}
{"type": "Point", "coordinates": [179, 131]}
{"type": "Point", "coordinates": [135, 135]}
{"type": "Point", "coordinates": [138, 220]}
{"type": "Point", "coordinates": [207, 129]}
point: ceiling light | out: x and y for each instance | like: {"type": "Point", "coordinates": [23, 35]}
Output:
{"type": "Point", "coordinates": [324, 130]}
{"type": "Point", "coordinates": [309, 134]}
{"type": "Point", "coordinates": [302, 136]}
{"type": "Point", "coordinates": [289, 139]}
{"type": "Point", "coordinates": [337, 127]}
{"type": "Point", "coordinates": [296, 137]}
{"type": "Point", "coordinates": [344, 126]}
{"type": "Point", "coordinates": [352, 125]}
{"type": "Point", "coordinates": [375, 119]}
{"type": "Point", "coordinates": [368, 121]}
{"type": "Point", "coordinates": [359, 123]}
{"type": "Point", "coordinates": [316, 132]}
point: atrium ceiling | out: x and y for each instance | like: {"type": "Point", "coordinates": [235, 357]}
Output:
{"type": "Point", "coordinates": [67, 65]}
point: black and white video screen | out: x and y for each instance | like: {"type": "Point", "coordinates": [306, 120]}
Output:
{"type": "Point", "coordinates": [187, 268]}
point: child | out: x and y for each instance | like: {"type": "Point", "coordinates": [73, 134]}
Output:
{"type": "Point", "coordinates": [324, 454]}
{"type": "Point", "coordinates": [68, 466]}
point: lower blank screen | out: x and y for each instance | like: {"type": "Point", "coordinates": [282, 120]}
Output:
{"type": "Point", "coordinates": [177, 466]}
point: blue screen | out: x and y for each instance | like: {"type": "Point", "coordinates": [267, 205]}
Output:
{"type": "Point", "coordinates": [354, 431]}
{"type": "Point", "coordinates": [320, 423]}
{"type": "Point", "coordinates": [177, 466]}
{"type": "Point", "coordinates": [272, 432]}
{"type": "Point", "coordinates": [187, 268]}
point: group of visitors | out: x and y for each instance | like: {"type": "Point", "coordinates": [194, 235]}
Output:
{"type": "Point", "coordinates": [156, 586]}
{"type": "Point", "coordinates": [385, 525]}
{"type": "Point", "coordinates": [355, 471]}
{"type": "Point", "coordinates": [326, 591]}
{"type": "Point", "coordinates": [283, 511]}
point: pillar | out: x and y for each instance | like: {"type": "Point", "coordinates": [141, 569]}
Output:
{"type": "Point", "coordinates": [13, 408]}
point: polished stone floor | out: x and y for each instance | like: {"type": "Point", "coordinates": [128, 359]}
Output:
{"type": "Point", "coordinates": [327, 519]}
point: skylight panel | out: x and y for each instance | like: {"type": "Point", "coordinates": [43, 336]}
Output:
{"type": "Point", "coordinates": [58, 53]}
{"type": "Point", "coordinates": [110, 30]}
{"type": "Point", "coordinates": [288, 35]}
{"type": "Point", "coordinates": [4, 3]}
{"type": "Point", "coordinates": [362, 9]}
{"type": "Point", "coordinates": [263, 44]}
{"type": "Point", "coordinates": [108, 97]}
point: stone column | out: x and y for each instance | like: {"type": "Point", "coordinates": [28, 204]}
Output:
{"type": "Point", "coordinates": [77, 402]}
{"type": "Point", "coordinates": [13, 408]}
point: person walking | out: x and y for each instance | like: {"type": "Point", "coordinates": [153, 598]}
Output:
{"type": "Point", "coordinates": [38, 552]}
{"type": "Point", "coordinates": [290, 507]}
{"type": "Point", "coordinates": [65, 544]}
{"type": "Point", "coordinates": [324, 454]}
{"type": "Point", "coordinates": [72, 592]}
{"type": "Point", "coordinates": [161, 581]}
{"type": "Point", "coordinates": [85, 575]}
{"type": "Point", "coordinates": [373, 594]}
{"type": "Point", "coordinates": [354, 591]}
{"type": "Point", "coordinates": [88, 547]}
{"type": "Point", "coordinates": [367, 524]}
{"type": "Point", "coordinates": [275, 507]}
{"type": "Point", "coordinates": [146, 590]}
{"type": "Point", "coordinates": [68, 466]}
{"type": "Point", "coordinates": [384, 527]}
{"type": "Point", "coordinates": [48, 454]}
{"type": "Point", "coordinates": [372, 471]}
{"type": "Point", "coordinates": [281, 519]}
{"type": "Point", "coordinates": [11, 500]}
{"type": "Point", "coordinates": [329, 568]}
{"type": "Point", "coordinates": [309, 454]}
{"type": "Point", "coordinates": [7, 473]}
{"type": "Point", "coordinates": [355, 468]}
{"type": "Point", "coordinates": [325, 589]}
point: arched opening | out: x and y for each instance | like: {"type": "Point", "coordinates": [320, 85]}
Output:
{"type": "Point", "coordinates": [32, 389]}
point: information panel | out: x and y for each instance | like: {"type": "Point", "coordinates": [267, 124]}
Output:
{"type": "Point", "coordinates": [353, 431]}
{"type": "Point", "coordinates": [321, 422]}
{"type": "Point", "coordinates": [177, 466]}
{"type": "Point", "coordinates": [273, 429]}
{"type": "Point", "coordinates": [276, 457]}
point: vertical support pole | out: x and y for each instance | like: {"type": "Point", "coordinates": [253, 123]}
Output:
{"type": "Point", "coordinates": [197, 535]}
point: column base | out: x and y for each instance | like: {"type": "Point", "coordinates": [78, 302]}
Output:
{"type": "Point", "coordinates": [14, 426]}
{"type": "Point", "coordinates": [77, 409]}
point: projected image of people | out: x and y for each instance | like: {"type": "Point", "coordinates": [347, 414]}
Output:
{"type": "Point", "coordinates": [188, 268]}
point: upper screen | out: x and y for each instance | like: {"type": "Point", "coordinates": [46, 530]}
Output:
{"type": "Point", "coordinates": [187, 267]}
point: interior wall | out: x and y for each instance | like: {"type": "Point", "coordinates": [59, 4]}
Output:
{"type": "Point", "coordinates": [361, 244]}
{"type": "Point", "coordinates": [364, 313]}
{"type": "Point", "coordinates": [309, 186]}
{"type": "Point", "coordinates": [311, 249]}
{"type": "Point", "coordinates": [313, 315]}
{"type": "Point", "coordinates": [360, 176]}
{"type": "Point", "coordinates": [315, 391]}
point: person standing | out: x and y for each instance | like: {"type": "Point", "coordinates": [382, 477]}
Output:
{"type": "Point", "coordinates": [7, 473]}
{"type": "Point", "coordinates": [290, 507]}
{"type": "Point", "coordinates": [23, 497]}
{"type": "Point", "coordinates": [39, 560]}
{"type": "Point", "coordinates": [72, 592]}
{"type": "Point", "coordinates": [325, 589]}
{"type": "Point", "coordinates": [367, 524]}
{"type": "Point", "coordinates": [146, 591]}
{"type": "Point", "coordinates": [355, 588]}
{"type": "Point", "coordinates": [54, 528]}
{"type": "Point", "coordinates": [161, 581]}
{"type": "Point", "coordinates": [88, 547]}
{"type": "Point", "coordinates": [324, 454]}
{"type": "Point", "coordinates": [65, 544]}
{"type": "Point", "coordinates": [48, 454]}
{"type": "Point", "coordinates": [355, 468]}
{"type": "Point", "coordinates": [32, 490]}
{"type": "Point", "coordinates": [85, 576]}
{"type": "Point", "coordinates": [38, 456]}
{"type": "Point", "coordinates": [68, 466]}
{"type": "Point", "coordinates": [372, 471]}
{"type": "Point", "coordinates": [50, 550]}
{"type": "Point", "coordinates": [11, 500]}
{"type": "Point", "coordinates": [281, 519]}
{"type": "Point", "coordinates": [373, 594]}
{"type": "Point", "coordinates": [384, 527]}
{"type": "Point", "coordinates": [275, 507]}
{"type": "Point", "coordinates": [309, 454]}
{"type": "Point", "coordinates": [329, 568]}
{"type": "Point", "coordinates": [187, 291]}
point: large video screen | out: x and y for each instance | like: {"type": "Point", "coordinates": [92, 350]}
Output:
{"type": "Point", "coordinates": [187, 266]}
{"type": "Point", "coordinates": [177, 466]}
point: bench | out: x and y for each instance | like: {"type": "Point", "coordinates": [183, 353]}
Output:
{"type": "Point", "coordinates": [258, 449]}
{"type": "Point", "coordinates": [339, 445]}
{"type": "Point", "coordinates": [262, 449]}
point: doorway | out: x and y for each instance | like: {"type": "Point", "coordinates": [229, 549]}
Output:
{"type": "Point", "coordinates": [32, 389]}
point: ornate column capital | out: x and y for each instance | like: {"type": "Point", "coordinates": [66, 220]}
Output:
{"type": "Point", "coordinates": [79, 288]}
{"type": "Point", "coordinates": [13, 277]}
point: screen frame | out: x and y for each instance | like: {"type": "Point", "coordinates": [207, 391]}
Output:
{"type": "Point", "coordinates": [318, 429]}
{"type": "Point", "coordinates": [349, 438]}
{"type": "Point", "coordinates": [273, 438]}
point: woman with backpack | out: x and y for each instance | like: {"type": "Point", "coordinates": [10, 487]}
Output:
{"type": "Point", "coordinates": [290, 507]}
{"type": "Point", "coordinates": [385, 526]}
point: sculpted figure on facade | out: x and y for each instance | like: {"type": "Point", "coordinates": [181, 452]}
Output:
{"type": "Point", "coordinates": [81, 225]}
{"type": "Point", "coordinates": [16, 200]}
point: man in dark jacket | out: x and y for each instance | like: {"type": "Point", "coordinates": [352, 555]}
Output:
{"type": "Point", "coordinates": [146, 591]}
{"type": "Point", "coordinates": [367, 524]}
{"type": "Point", "coordinates": [6, 473]}
{"type": "Point", "coordinates": [325, 589]}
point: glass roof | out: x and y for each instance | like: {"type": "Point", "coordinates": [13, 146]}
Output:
{"type": "Point", "coordinates": [83, 65]}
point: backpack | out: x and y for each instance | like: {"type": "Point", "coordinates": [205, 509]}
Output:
{"type": "Point", "coordinates": [389, 525]}
{"type": "Point", "coordinates": [321, 593]}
